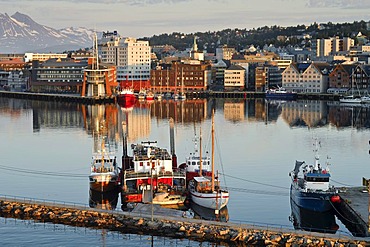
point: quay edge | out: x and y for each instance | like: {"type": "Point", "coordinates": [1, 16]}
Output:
{"type": "Point", "coordinates": [174, 227]}
{"type": "Point", "coordinates": [190, 95]}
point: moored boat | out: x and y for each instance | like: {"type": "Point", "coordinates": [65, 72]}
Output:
{"type": "Point", "coordinates": [280, 93]}
{"type": "Point", "coordinates": [152, 178]}
{"type": "Point", "coordinates": [310, 188]}
{"type": "Point", "coordinates": [206, 191]}
{"type": "Point", "coordinates": [126, 98]}
{"type": "Point", "coordinates": [350, 99]}
{"type": "Point", "coordinates": [104, 174]}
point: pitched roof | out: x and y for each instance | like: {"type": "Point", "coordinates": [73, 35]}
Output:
{"type": "Point", "coordinates": [235, 67]}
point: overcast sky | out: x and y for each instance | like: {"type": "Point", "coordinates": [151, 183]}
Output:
{"type": "Point", "coordinates": [139, 18]}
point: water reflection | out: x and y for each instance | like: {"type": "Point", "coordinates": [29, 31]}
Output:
{"type": "Point", "coordinates": [308, 220]}
{"type": "Point", "coordinates": [103, 200]}
{"type": "Point", "coordinates": [209, 214]}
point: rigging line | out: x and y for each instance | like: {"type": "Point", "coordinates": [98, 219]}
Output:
{"type": "Point", "coordinates": [40, 172]}
{"type": "Point", "coordinates": [247, 180]}
{"type": "Point", "coordinates": [263, 192]}
{"type": "Point", "coordinates": [342, 183]}
{"type": "Point", "coordinates": [219, 155]}
{"type": "Point", "coordinates": [350, 221]}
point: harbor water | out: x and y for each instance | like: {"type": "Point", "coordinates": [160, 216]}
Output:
{"type": "Point", "coordinates": [46, 152]}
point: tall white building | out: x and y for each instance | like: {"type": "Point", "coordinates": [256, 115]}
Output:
{"type": "Point", "coordinates": [131, 58]}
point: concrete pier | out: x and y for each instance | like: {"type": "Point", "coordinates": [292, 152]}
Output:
{"type": "Point", "coordinates": [353, 210]}
{"type": "Point", "coordinates": [169, 226]}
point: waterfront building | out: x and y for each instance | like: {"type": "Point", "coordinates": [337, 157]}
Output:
{"type": "Point", "coordinates": [218, 71]}
{"type": "Point", "coordinates": [14, 75]}
{"type": "Point", "coordinates": [131, 58]}
{"type": "Point", "coordinates": [186, 75]}
{"type": "Point", "coordinates": [341, 77]}
{"type": "Point", "coordinates": [307, 77]}
{"type": "Point", "coordinates": [62, 75]}
{"type": "Point", "coordinates": [267, 76]}
{"type": "Point", "coordinates": [41, 57]}
{"type": "Point", "coordinates": [12, 64]}
{"type": "Point", "coordinates": [360, 82]}
{"type": "Point", "coordinates": [234, 78]}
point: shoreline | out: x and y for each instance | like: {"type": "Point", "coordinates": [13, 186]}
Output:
{"type": "Point", "coordinates": [173, 227]}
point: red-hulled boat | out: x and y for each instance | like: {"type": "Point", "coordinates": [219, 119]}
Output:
{"type": "Point", "coordinates": [126, 97]}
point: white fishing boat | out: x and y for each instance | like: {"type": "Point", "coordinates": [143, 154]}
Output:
{"type": "Point", "coordinates": [104, 174]}
{"type": "Point", "coordinates": [350, 99]}
{"type": "Point", "coordinates": [206, 191]}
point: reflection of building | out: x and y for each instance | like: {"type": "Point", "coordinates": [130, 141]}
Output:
{"type": "Point", "coordinates": [311, 113]}
{"type": "Point", "coordinates": [138, 123]}
{"type": "Point", "coordinates": [354, 116]}
{"type": "Point", "coordinates": [188, 111]}
{"type": "Point", "coordinates": [234, 111]}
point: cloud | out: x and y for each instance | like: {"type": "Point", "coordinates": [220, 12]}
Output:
{"type": "Point", "coordinates": [353, 4]}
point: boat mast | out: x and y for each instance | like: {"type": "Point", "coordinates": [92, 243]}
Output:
{"type": "Point", "coordinates": [213, 152]}
{"type": "Point", "coordinates": [200, 152]}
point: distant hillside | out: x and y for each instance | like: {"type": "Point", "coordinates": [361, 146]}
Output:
{"type": "Point", "coordinates": [19, 33]}
{"type": "Point", "coordinates": [240, 38]}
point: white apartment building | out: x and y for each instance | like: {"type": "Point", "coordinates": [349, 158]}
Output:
{"type": "Point", "coordinates": [130, 56]}
{"type": "Point", "coordinates": [234, 77]}
{"type": "Point", "coordinates": [326, 47]}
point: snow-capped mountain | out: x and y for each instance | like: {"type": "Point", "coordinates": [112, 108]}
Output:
{"type": "Point", "coordinates": [19, 34]}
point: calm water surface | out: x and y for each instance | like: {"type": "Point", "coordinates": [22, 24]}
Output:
{"type": "Point", "coordinates": [46, 152]}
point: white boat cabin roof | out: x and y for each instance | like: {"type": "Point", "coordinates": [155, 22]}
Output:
{"type": "Point", "coordinates": [201, 179]}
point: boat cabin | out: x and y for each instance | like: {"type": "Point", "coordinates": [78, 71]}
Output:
{"type": "Point", "coordinates": [148, 157]}
{"type": "Point", "coordinates": [204, 185]}
{"type": "Point", "coordinates": [317, 181]}
{"type": "Point", "coordinates": [101, 164]}
{"type": "Point", "coordinates": [193, 164]}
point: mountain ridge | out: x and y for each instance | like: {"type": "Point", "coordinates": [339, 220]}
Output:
{"type": "Point", "coordinates": [19, 33]}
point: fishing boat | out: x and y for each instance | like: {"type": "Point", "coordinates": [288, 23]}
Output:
{"type": "Point", "coordinates": [196, 161]}
{"type": "Point", "coordinates": [310, 188]}
{"type": "Point", "coordinates": [149, 96]}
{"type": "Point", "coordinates": [126, 97]}
{"type": "Point", "coordinates": [152, 177]}
{"type": "Point", "coordinates": [206, 191]}
{"type": "Point", "coordinates": [104, 174]}
{"type": "Point", "coordinates": [280, 93]}
{"type": "Point", "coordinates": [103, 200]}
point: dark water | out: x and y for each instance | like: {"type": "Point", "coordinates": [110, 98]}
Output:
{"type": "Point", "coordinates": [46, 153]}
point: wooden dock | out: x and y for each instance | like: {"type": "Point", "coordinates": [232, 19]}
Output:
{"type": "Point", "coordinates": [353, 210]}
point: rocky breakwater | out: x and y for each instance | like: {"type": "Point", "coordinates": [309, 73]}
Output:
{"type": "Point", "coordinates": [225, 233]}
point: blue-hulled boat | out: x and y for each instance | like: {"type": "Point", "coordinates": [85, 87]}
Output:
{"type": "Point", "coordinates": [280, 93]}
{"type": "Point", "coordinates": [310, 187]}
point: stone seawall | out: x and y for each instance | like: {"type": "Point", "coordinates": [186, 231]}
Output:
{"type": "Point", "coordinates": [198, 230]}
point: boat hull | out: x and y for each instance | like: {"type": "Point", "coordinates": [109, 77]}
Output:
{"type": "Point", "coordinates": [126, 100]}
{"type": "Point", "coordinates": [103, 183]}
{"type": "Point", "coordinates": [213, 200]}
{"type": "Point", "coordinates": [284, 96]}
{"type": "Point", "coordinates": [313, 221]}
{"type": "Point", "coordinates": [314, 201]}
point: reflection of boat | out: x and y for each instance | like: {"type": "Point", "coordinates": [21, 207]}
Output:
{"type": "Point", "coordinates": [152, 173]}
{"type": "Point", "coordinates": [104, 171]}
{"type": "Point", "coordinates": [126, 97]}
{"type": "Point", "coordinates": [309, 220]}
{"type": "Point", "coordinates": [310, 186]}
{"type": "Point", "coordinates": [280, 93]}
{"type": "Point", "coordinates": [149, 95]}
{"type": "Point", "coordinates": [206, 191]}
{"type": "Point", "coordinates": [209, 214]}
{"type": "Point", "coordinates": [103, 200]}
{"type": "Point", "coordinates": [365, 99]}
